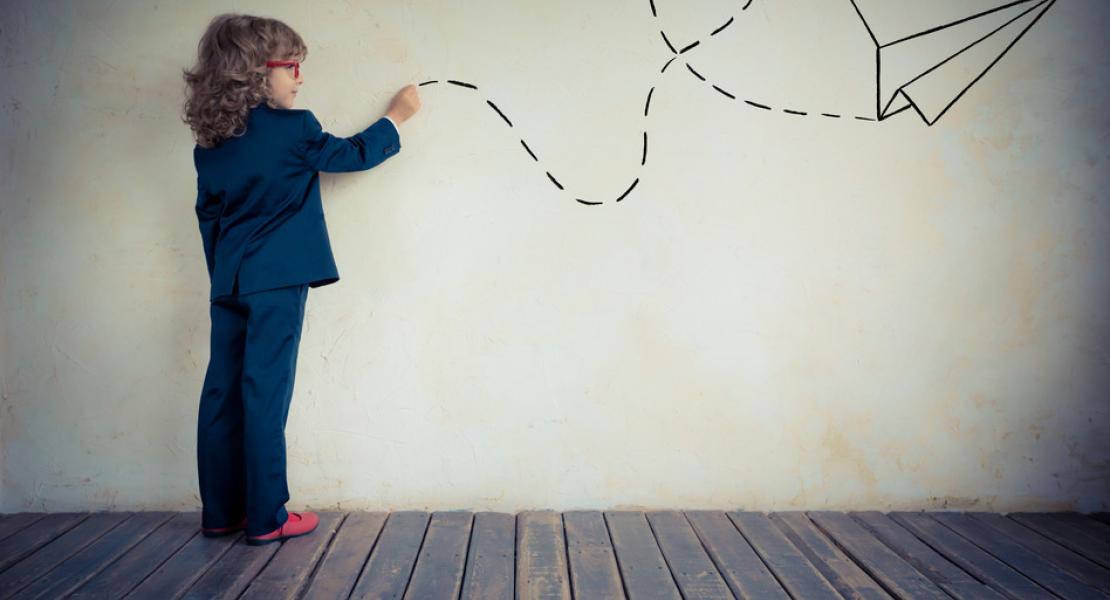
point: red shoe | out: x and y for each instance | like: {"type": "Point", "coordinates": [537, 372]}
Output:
{"type": "Point", "coordinates": [298, 524]}
{"type": "Point", "coordinates": [217, 532]}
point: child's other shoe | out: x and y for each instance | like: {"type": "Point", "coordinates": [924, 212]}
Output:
{"type": "Point", "coordinates": [219, 531]}
{"type": "Point", "coordinates": [298, 524]}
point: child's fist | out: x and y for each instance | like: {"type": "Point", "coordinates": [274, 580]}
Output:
{"type": "Point", "coordinates": [404, 104]}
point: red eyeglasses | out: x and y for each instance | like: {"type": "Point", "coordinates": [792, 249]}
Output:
{"type": "Point", "coordinates": [296, 64]}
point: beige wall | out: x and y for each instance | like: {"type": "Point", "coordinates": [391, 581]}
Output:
{"type": "Point", "coordinates": [788, 312]}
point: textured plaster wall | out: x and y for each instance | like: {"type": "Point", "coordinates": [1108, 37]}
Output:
{"type": "Point", "coordinates": [787, 313]}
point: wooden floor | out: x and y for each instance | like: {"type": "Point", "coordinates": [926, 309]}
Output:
{"type": "Point", "coordinates": [577, 554]}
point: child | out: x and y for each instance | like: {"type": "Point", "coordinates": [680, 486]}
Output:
{"type": "Point", "coordinates": [265, 241]}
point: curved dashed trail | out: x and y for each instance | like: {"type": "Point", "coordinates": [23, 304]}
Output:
{"type": "Point", "coordinates": [676, 53]}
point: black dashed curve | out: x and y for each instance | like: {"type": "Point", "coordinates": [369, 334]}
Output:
{"type": "Point", "coordinates": [494, 107]}
{"type": "Point", "coordinates": [673, 51]}
{"type": "Point", "coordinates": [647, 104]}
{"type": "Point", "coordinates": [629, 190]}
{"type": "Point", "coordinates": [532, 154]}
{"type": "Point", "coordinates": [731, 96]}
{"type": "Point", "coordinates": [722, 27]}
{"type": "Point", "coordinates": [553, 180]}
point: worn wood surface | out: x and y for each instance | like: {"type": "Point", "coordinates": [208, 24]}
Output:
{"type": "Point", "coordinates": [577, 555]}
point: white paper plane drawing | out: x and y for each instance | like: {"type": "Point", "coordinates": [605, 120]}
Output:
{"type": "Point", "coordinates": [927, 54]}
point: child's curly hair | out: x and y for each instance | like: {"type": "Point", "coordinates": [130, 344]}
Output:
{"type": "Point", "coordinates": [230, 76]}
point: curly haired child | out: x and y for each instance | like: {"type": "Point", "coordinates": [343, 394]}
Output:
{"type": "Point", "coordinates": [266, 243]}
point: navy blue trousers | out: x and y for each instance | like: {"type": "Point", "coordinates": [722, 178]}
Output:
{"type": "Point", "coordinates": [244, 405]}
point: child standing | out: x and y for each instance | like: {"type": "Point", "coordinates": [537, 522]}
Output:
{"type": "Point", "coordinates": [266, 243]}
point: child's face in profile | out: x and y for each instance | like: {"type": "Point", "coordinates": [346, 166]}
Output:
{"type": "Point", "coordinates": [283, 85]}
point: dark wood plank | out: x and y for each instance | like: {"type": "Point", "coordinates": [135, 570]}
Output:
{"type": "Point", "coordinates": [738, 563]}
{"type": "Point", "coordinates": [289, 570]}
{"type": "Point", "coordinates": [936, 567]}
{"type": "Point", "coordinates": [52, 554]}
{"type": "Point", "coordinates": [1092, 527]}
{"type": "Point", "coordinates": [491, 563]}
{"type": "Point", "coordinates": [26, 541]}
{"type": "Point", "coordinates": [173, 577]}
{"type": "Point", "coordinates": [541, 567]}
{"type": "Point", "coordinates": [639, 559]}
{"type": "Point", "coordinates": [1017, 556]}
{"type": "Point", "coordinates": [386, 574]}
{"type": "Point", "coordinates": [970, 557]}
{"type": "Point", "coordinates": [593, 565]}
{"type": "Point", "coordinates": [439, 566]}
{"type": "Point", "coordinates": [84, 564]}
{"type": "Point", "coordinates": [706, 554]}
{"type": "Point", "coordinates": [233, 572]}
{"type": "Point", "coordinates": [119, 577]}
{"type": "Point", "coordinates": [800, 578]}
{"type": "Point", "coordinates": [1086, 528]}
{"type": "Point", "coordinates": [1066, 534]}
{"type": "Point", "coordinates": [14, 522]}
{"type": "Point", "coordinates": [880, 562]}
{"type": "Point", "coordinates": [340, 566]}
{"type": "Point", "coordinates": [1071, 562]}
{"type": "Point", "coordinates": [690, 566]}
{"type": "Point", "coordinates": [844, 575]}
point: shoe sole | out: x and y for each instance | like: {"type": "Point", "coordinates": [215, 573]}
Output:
{"type": "Point", "coordinates": [214, 534]}
{"type": "Point", "coordinates": [257, 542]}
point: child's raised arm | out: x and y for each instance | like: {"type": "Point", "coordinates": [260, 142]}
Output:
{"type": "Point", "coordinates": [323, 151]}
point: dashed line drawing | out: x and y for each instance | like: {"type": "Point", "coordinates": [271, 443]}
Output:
{"type": "Point", "coordinates": [629, 190]}
{"type": "Point", "coordinates": [722, 27]}
{"type": "Point", "coordinates": [530, 153]}
{"type": "Point", "coordinates": [494, 107]}
{"type": "Point", "coordinates": [669, 45]}
{"type": "Point", "coordinates": [898, 87]}
{"type": "Point", "coordinates": [553, 180]}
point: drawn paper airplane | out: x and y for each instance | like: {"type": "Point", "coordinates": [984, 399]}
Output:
{"type": "Point", "coordinates": [928, 54]}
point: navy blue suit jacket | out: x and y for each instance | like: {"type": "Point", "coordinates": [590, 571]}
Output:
{"type": "Point", "coordinates": [258, 198]}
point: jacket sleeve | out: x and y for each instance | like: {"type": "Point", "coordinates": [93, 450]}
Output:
{"type": "Point", "coordinates": [322, 151]}
{"type": "Point", "coordinates": [208, 216]}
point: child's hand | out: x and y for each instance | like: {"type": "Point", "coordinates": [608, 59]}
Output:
{"type": "Point", "coordinates": [404, 104]}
